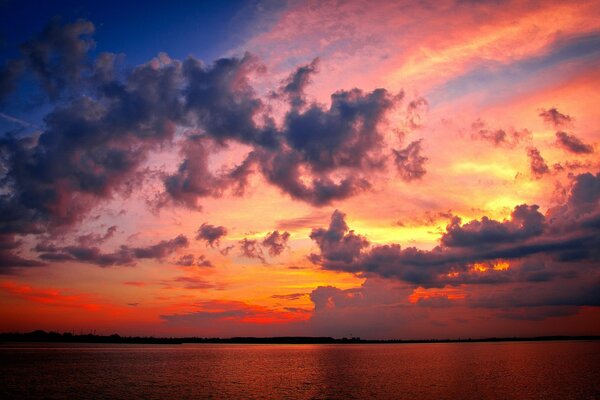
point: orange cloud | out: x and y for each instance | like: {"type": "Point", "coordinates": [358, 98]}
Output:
{"type": "Point", "coordinates": [448, 293]}
{"type": "Point", "coordinates": [51, 297]}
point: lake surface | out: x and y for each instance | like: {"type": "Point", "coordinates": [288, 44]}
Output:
{"type": "Point", "coordinates": [518, 370]}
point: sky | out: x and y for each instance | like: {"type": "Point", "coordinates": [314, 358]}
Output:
{"type": "Point", "coordinates": [380, 169]}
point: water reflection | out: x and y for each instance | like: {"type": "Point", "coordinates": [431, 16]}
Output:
{"type": "Point", "coordinates": [549, 370]}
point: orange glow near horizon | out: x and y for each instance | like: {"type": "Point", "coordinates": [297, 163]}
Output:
{"type": "Point", "coordinates": [450, 293]}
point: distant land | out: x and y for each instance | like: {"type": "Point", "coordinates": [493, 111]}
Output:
{"type": "Point", "coordinates": [68, 337]}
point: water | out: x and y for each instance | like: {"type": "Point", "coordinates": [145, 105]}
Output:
{"type": "Point", "coordinates": [519, 370]}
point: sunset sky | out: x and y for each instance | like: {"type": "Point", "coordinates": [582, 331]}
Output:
{"type": "Point", "coordinates": [382, 169]}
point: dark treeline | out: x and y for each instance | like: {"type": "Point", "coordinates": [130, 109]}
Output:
{"type": "Point", "coordinates": [67, 337]}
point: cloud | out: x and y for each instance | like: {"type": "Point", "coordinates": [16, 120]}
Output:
{"type": "Point", "coordinates": [94, 238]}
{"type": "Point", "coordinates": [322, 144]}
{"type": "Point", "coordinates": [251, 249]}
{"type": "Point", "coordinates": [57, 55]}
{"type": "Point", "coordinates": [161, 249]}
{"type": "Point", "coordinates": [275, 242]}
{"type": "Point", "coordinates": [226, 311]}
{"type": "Point", "coordinates": [124, 255]}
{"type": "Point", "coordinates": [537, 163]}
{"type": "Point", "coordinates": [337, 243]}
{"type": "Point", "coordinates": [573, 144]}
{"type": "Point", "coordinates": [568, 233]}
{"type": "Point", "coordinates": [186, 260]}
{"type": "Point", "coordinates": [211, 234]}
{"type": "Point", "coordinates": [347, 134]}
{"type": "Point", "coordinates": [498, 137]}
{"type": "Point", "coordinates": [51, 297]}
{"type": "Point", "coordinates": [194, 179]}
{"type": "Point", "coordinates": [296, 83]}
{"type": "Point", "coordinates": [222, 101]}
{"type": "Point", "coordinates": [189, 260]}
{"type": "Point", "coordinates": [8, 76]}
{"type": "Point", "coordinates": [305, 221]}
{"type": "Point", "coordinates": [104, 124]}
{"type": "Point", "coordinates": [92, 147]}
{"type": "Point", "coordinates": [555, 118]}
{"type": "Point", "coordinates": [193, 283]}
{"type": "Point", "coordinates": [10, 258]}
{"type": "Point", "coordinates": [526, 222]}
{"type": "Point", "coordinates": [290, 296]}
{"type": "Point", "coordinates": [410, 162]}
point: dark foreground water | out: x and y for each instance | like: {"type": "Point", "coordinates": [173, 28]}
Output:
{"type": "Point", "coordinates": [520, 370]}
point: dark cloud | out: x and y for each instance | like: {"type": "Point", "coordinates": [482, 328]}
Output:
{"type": "Point", "coordinates": [345, 135]}
{"type": "Point", "coordinates": [94, 238]}
{"type": "Point", "coordinates": [186, 260]}
{"type": "Point", "coordinates": [555, 118]}
{"type": "Point", "coordinates": [106, 122]}
{"type": "Point", "coordinates": [58, 54]}
{"type": "Point", "coordinates": [222, 101]}
{"type": "Point", "coordinates": [338, 243]}
{"type": "Point", "coordinates": [91, 148]}
{"type": "Point", "coordinates": [161, 249]}
{"type": "Point", "coordinates": [526, 221]}
{"type": "Point", "coordinates": [537, 163]}
{"type": "Point", "coordinates": [498, 137]}
{"type": "Point", "coordinates": [322, 143]}
{"type": "Point", "coordinates": [275, 242]}
{"type": "Point", "coordinates": [414, 112]}
{"type": "Point", "coordinates": [211, 234]}
{"type": "Point", "coordinates": [189, 260]}
{"type": "Point", "coordinates": [573, 144]}
{"type": "Point", "coordinates": [296, 83]}
{"type": "Point", "coordinates": [124, 255]}
{"type": "Point", "coordinates": [8, 76]}
{"type": "Point", "coordinates": [324, 297]}
{"type": "Point", "coordinates": [572, 293]}
{"type": "Point", "coordinates": [194, 179]}
{"type": "Point", "coordinates": [568, 233]}
{"type": "Point", "coordinates": [10, 258]}
{"type": "Point", "coordinates": [251, 248]}
{"type": "Point", "coordinates": [285, 170]}
{"type": "Point", "coordinates": [410, 162]}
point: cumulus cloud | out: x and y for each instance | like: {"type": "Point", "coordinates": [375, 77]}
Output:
{"type": "Point", "coordinates": [275, 242]}
{"type": "Point", "coordinates": [294, 86]}
{"type": "Point", "coordinates": [211, 234]}
{"type": "Point", "coordinates": [328, 154]}
{"type": "Point", "coordinates": [537, 163]}
{"type": "Point", "coordinates": [105, 124]}
{"type": "Point", "coordinates": [566, 234]}
{"type": "Point", "coordinates": [526, 221]}
{"type": "Point", "coordinates": [555, 118]}
{"type": "Point", "coordinates": [251, 248]}
{"type": "Point", "coordinates": [573, 144]}
{"type": "Point", "coordinates": [410, 162]}
{"type": "Point", "coordinates": [194, 180]}
{"type": "Point", "coordinates": [337, 243]}
{"type": "Point", "coordinates": [58, 54]}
